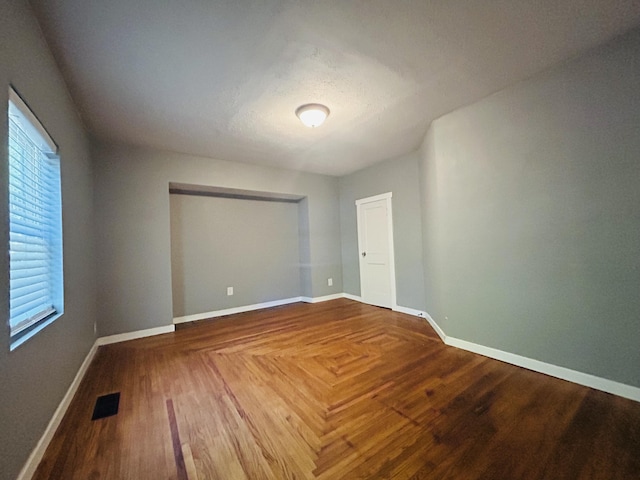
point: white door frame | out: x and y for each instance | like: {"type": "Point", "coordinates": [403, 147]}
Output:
{"type": "Point", "coordinates": [392, 264]}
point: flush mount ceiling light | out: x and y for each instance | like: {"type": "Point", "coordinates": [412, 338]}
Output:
{"type": "Point", "coordinates": [312, 114]}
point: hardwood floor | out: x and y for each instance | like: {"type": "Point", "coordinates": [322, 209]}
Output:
{"type": "Point", "coordinates": [330, 391]}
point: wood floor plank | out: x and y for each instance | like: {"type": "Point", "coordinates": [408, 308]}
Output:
{"type": "Point", "coordinates": [330, 391]}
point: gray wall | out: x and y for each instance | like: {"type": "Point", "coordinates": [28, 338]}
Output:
{"type": "Point", "coordinates": [36, 375]}
{"type": "Point", "coordinates": [401, 177]}
{"type": "Point", "coordinates": [530, 224]}
{"type": "Point", "coordinates": [133, 227]}
{"type": "Point", "coordinates": [532, 216]}
{"type": "Point", "coordinates": [250, 245]}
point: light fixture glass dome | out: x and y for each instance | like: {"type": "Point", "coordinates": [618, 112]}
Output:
{"type": "Point", "coordinates": [312, 114]}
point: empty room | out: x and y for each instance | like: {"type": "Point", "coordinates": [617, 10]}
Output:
{"type": "Point", "coordinates": [320, 239]}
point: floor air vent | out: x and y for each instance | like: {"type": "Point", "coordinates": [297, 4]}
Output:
{"type": "Point", "coordinates": [106, 406]}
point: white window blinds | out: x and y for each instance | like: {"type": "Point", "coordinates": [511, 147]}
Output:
{"type": "Point", "coordinates": [35, 252]}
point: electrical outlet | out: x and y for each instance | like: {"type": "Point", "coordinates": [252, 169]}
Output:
{"type": "Point", "coordinates": [229, 291]}
{"type": "Point", "coordinates": [330, 282]}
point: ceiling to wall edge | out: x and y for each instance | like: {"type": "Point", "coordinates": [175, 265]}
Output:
{"type": "Point", "coordinates": [237, 193]}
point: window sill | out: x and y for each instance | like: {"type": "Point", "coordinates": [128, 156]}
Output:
{"type": "Point", "coordinates": [23, 337]}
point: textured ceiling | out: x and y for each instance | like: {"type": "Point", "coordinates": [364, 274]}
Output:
{"type": "Point", "coordinates": [223, 78]}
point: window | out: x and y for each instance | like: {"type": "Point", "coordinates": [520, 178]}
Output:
{"type": "Point", "coordinates": [35, 225]}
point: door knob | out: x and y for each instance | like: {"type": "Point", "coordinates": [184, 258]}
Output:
{"type": "Point", "coordinates": [364, 254]}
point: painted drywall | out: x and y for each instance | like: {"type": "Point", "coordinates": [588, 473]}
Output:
{"type": "Point", "coordinates": [36, 375]}
{"type": "Point", "coordinates": [401, 177]}
{"type": "Point", "coordinates": [133, 227]}
{"type": "Point", "coordinates": [250, 245]}
{"type": "Point", "coordinates": [531, 212]}
{"type": "Point", "coordinates": [304, 248]}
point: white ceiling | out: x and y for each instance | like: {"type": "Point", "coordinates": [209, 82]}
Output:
{"type": "Point", "coordinates": [222, 78]}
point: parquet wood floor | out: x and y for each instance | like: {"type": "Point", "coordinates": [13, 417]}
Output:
{"type": "Point", "coordinates": [336, 390]}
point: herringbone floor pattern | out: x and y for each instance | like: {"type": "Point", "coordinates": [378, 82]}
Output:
{"type": "Point", "coordinates": [337, 390]}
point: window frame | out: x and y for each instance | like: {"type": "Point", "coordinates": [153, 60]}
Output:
{"type": "Point", "coordinates": [20, 116]}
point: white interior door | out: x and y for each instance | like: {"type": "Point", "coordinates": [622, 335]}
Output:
{"type": "Point", "coordinates": [375, 244]}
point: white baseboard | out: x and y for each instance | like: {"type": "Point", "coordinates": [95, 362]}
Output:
{"type": "Point", "coordinates": [322, 299]}
{"type": "Point", "coordinates": [34, 459]}
{"type": "Point", "coordinates": [408, 311]}
{"type": "Point", "coordinates": [123, 337]}
{"type": "Point", "coordinates": [425, 315]}
{"type": "Point", "coordinates": [585, 379]}
{"type": "Point", "coordinates": [231, 311]}
{"type": "Point", "coordinates": [580, 378]}
{"type": "Point", "coordinates": [355, 298]}
{"type": "Point", "coordinates": [436, 327]}
{"type": "Point", "coordinates": [255, 306]}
